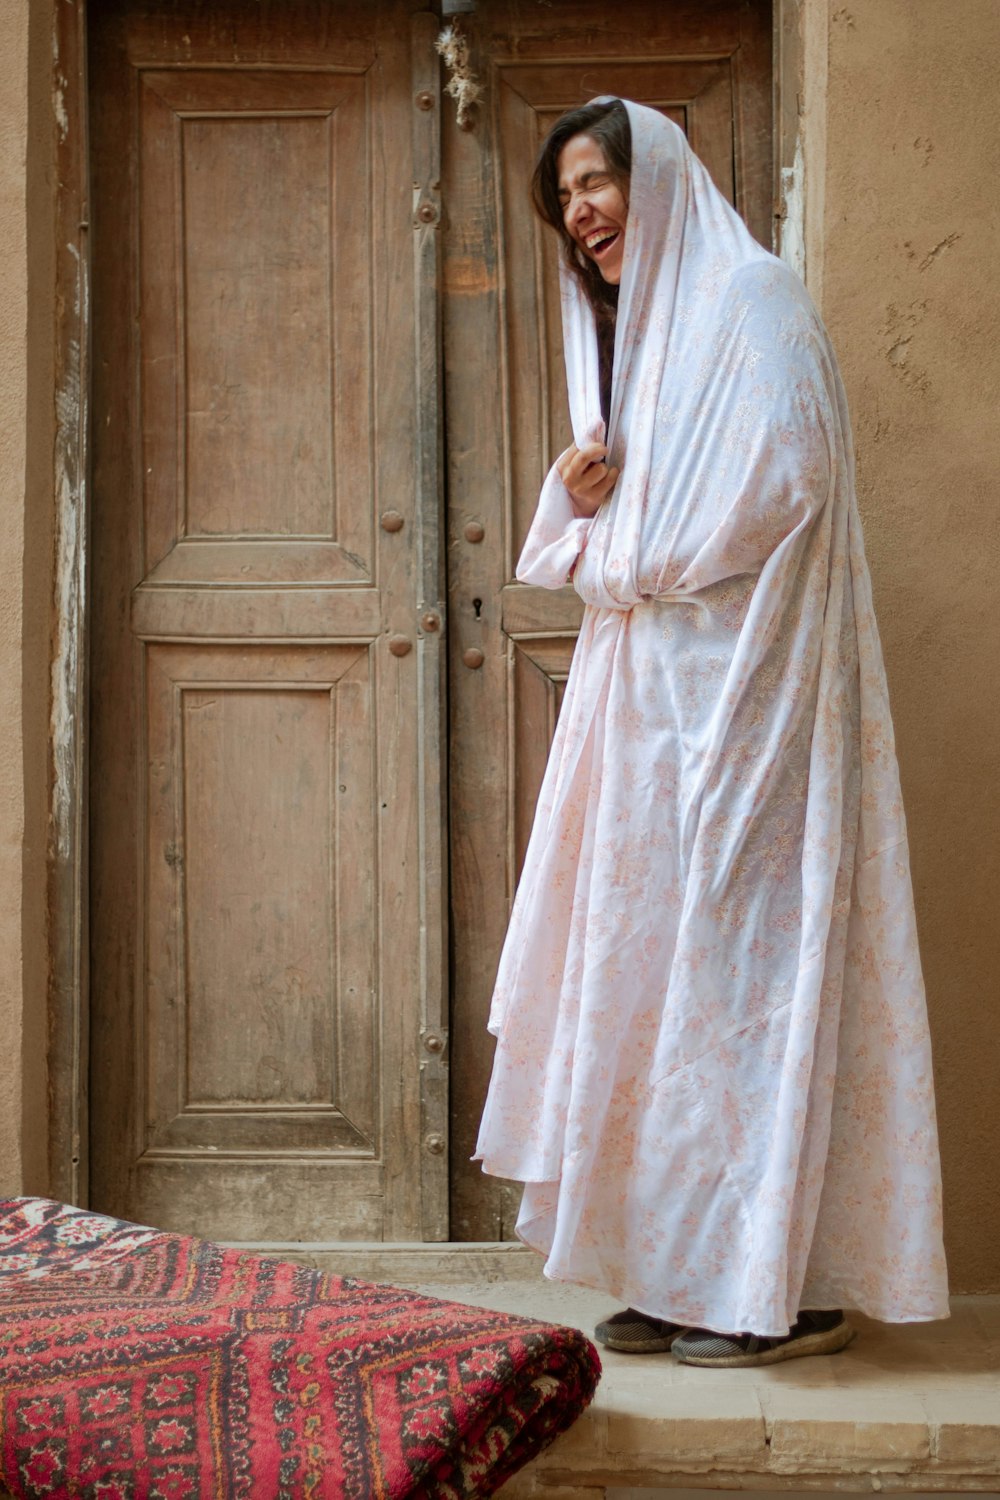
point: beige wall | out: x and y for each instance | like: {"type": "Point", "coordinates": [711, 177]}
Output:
{"type": "Point", "coordinates": [902, 250]}
{"type": "Point", "coordinates": [25, 587]}
{"type": "Point", "coordinates": [901, 159]}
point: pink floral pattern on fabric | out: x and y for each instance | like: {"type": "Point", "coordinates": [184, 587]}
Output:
{"type": "Point", "coordinates": [713, 1068]}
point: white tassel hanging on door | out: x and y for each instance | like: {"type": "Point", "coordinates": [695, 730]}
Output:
{"type": "Point", "coordinates": [462, 85]}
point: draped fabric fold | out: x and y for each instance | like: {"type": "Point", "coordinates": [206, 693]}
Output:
{"type": "Point", "coordinates": [713, 1069]}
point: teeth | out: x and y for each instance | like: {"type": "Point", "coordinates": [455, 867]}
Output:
{"type": "Point", "coordinates": [599, 236]}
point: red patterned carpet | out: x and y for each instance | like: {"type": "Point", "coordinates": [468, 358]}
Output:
{"type": "Point", "coordinates": [136, 1365]}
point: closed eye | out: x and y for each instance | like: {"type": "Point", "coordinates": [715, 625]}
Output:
{"type": "Point", "coordinates": [591, 180]}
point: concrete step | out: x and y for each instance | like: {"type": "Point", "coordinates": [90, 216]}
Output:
{"type": "Point", "coordinates": [912, 1408]}
{"type": "Point", "coordinates": [480, 1263]}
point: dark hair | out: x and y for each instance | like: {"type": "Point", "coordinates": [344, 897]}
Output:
{"type": "Point", "coordinates": [608, 125]}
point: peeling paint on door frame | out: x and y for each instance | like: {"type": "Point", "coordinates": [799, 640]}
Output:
{"type": "Point", "coordinates": [67, 842]}
{"type": "Point", "coordinates": [800, 70]}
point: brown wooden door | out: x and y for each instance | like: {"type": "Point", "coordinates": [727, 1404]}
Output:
{"type": "Point", "coordinates": [266, 821]}
{"type": "Point", "coordinates": [706, 65]}
{"type": "Point", "coordinates": [268, 1033]}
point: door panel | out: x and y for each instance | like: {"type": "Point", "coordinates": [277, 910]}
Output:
{"type": "Point", "coordinates": [255, 285]}
{"type": "Point", "coordinates": [266, 704]}
{"type": "Point", "coordinates": [261, 955]}
{"type": "Point", "coordinates": [707, 67]}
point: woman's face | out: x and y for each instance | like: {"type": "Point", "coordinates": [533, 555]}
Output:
{"type": "Point", "coordinates": [594, 207]}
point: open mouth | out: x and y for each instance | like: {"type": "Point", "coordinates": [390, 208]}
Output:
{"type": "Point", "coordinates": [600, 241]}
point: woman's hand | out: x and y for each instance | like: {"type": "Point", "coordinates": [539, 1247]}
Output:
{"type": "Point", "coordinates": [587, 477]}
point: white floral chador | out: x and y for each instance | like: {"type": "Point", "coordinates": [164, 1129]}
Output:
{"type": "Point", "coordinates": [712, 1068]}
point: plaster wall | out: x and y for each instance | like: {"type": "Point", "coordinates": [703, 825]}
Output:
{"type": "Point", "coordinates": [900, 152]}
{"type": "Point", "coordinates": [903, 158]}
{"type": "Point", "coordinates": [25, 588]}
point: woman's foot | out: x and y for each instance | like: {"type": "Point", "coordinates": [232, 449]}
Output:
{"type": "Point", "coordinates": [812, 1333]}
{"type": "Point", "coordinates": [631, 1332]}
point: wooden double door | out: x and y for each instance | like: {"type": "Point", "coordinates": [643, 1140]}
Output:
{"type": "Point", "coordinates": [327, 385]}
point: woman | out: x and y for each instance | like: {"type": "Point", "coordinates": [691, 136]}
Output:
{"type": "Point", "coordinates": [712, 1071]}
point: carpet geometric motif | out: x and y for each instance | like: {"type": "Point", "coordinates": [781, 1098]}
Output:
{"type": "Point", "coordinates": [138, 1365]}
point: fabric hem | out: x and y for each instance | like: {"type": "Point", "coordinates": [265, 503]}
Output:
{"type": "Point", "coordinates": [683, 1320]}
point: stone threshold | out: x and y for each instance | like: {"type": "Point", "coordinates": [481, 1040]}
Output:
{"type": "Point", "coordinates": [911, 1408]}
{"type": "Point", "coordinates": [904, 1409]}
{"type": "Point", "coordinates": [399, 1263]}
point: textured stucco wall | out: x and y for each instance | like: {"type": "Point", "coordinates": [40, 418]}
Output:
{"type": "Point", "coordinates": [25, 439]}
{"type": "Point", "coordinates": [902, 242]}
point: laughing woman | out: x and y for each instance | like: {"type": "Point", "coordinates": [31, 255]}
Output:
{"type": "Point", "coordinates": [712, 1070]}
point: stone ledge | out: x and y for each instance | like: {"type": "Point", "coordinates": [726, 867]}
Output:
{"type": "Point", "coordinates": [403, 1263]}
{"type": "Point", "coordinates": [907, 1408]}
{"type": "Point", "coordinates": [606, 1484]}
{"type": "Point", "coordinates": [913, 1408]}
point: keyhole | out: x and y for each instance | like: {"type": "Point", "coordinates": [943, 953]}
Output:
{"type": "Point", "coordinates": [477, 605]}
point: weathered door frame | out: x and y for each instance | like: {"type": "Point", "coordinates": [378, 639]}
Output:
{"type": "Point", "coordinates": [67, 880]}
